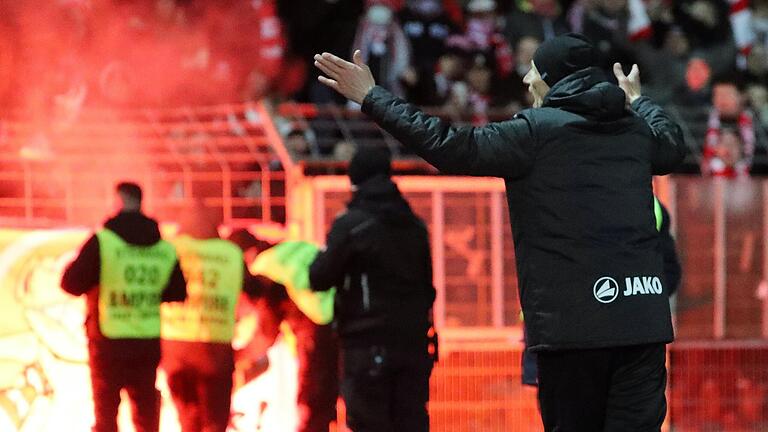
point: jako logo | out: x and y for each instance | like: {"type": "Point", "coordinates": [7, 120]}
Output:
{"type": "Point", "coordinates": [606, 289]}
{"type": "Point", "coordinates": [642, 285]}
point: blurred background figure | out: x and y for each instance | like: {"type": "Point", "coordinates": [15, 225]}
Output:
{"type": "Point", "coordinates": [278, 312]}
{"type": "Point", "coordinates": [378, 256]}
{"type": "Point", "coordinates": [197, 334]}
{"type": "Point", "coordinates": [427, 26]}
{"type": "Point", "coordinates": [730, 139]}
{"type": "Point", "coordinates": [483, 34]}
{"type": "Point", "coordinates": [383, 44]}
{"type": "Point", "coordinates": [538, 19]}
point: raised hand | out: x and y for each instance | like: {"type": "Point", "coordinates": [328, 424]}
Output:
{"type": "Point", "coordinates": [351, 80]}
{"type": "Point", "coordinates": [629, 83]}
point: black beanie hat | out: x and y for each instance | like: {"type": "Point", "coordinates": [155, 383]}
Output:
{"type": "Point", "coordinates": [563, 55]}
{"type": "Point", "coordinates": [369, 161]}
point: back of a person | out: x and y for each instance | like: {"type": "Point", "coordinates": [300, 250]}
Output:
{"type": "Point", "coordinates": [390, 285]}
{"type": "Point", "coordinates": [377, 256]}
{"type": "Point", "coordinates": [586, 209]}
{"type": "Point", "coordinates": [197, 335]}
{"type": "Point", "coordinates": [214, 272]}
{"type": "Point", "coordinates": [590, 279]}
{"type": "Point", "coordinates": [583, 171]}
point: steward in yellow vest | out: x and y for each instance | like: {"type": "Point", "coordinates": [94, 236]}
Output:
{"type": "Point", "coordinates": [214, 271]}
{"type": "Point", "coordinates": [197, 335]}
{"type": "Point", "coordinates": [125, 271]}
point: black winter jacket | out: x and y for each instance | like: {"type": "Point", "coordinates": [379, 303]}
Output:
{"type": "Point", "coordinates": [672, 269]}
{"type": "Point", "coordinates": [377, 255]}
{"type": "Point", "coordinates": [578, 176]}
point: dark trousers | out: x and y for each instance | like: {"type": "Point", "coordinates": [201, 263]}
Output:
{"type": "Point", "coordinates": [609, 389]}
{"type": "Point", "coordinates": [530, 372]}
{"type": "Point", "coordinates": [318, 375]}
{"type": "Point", "coordinates": [130, 365]}
{"type": "Point", "coordinates": [386, 389]}
{"type": "Point", "coordinates": [200, 380]}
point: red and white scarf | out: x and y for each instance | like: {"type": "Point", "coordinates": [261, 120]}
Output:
{"type": "Point", "coordinates": [713, 164]}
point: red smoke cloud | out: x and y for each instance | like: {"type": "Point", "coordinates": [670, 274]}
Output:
{"type": "Point", "coordinates": [69, 67]}
{"type": "Point", "coordinates": [137, 53]}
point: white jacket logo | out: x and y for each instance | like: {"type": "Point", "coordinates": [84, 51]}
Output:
{"type": "Point", "coordinates": [642, 285]}
{"type": "Point", "coordinates": [606, 289]}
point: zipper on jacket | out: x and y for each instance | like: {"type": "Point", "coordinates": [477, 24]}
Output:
{"type": "Point", "coordinates": [347, 281]}
{"type": "Point", "coordinates": [366, 292]}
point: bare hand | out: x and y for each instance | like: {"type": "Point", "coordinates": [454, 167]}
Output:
{"type": "Point", "coordinates": [351, 80]}
{"type": "Point", "coordinates": [629, 83]}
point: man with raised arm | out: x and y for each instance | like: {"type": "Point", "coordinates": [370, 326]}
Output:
{"type": "Point", "coordinates": [578, 169]}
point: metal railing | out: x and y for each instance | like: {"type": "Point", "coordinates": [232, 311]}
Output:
{"type": "Point", "coordinates": [722, 238]}
{"type": "Point", "coordinates": [472, 250]}
{"type": "Point", "coordinates": [228, 156]}
{"type": "Point", "coordinates": [721, 235]}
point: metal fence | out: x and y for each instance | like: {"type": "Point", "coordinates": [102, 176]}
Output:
{"type": "Point", "coordinates": [233, 159]}
{"type": "Point", "coordinates": [718, 369]}
{"type": "Point", "coordinates": [722, 238]}
{"type": "Point", "coordinates": [472, 249]}
{"type": "Point", "coordinates": [64, 173]}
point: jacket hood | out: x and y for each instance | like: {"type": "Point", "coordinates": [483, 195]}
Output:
{"type": "Point", "coordinates": [588, 93]}
{"type": "Point", "coordinates": [381, 197]}
{"type": "Point", "coordinates": [135, 228]}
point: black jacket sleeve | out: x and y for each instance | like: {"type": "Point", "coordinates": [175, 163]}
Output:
{"type": "Point", "coordinates": [672, 269]}
{"type": "Point", "coordinates": [84, 272]}
{"type": "Point", "coordinates": [330, 265]}
{"type": "Point", "coordinates": [176, 289]}
{"type": "Point", "coordinates": [670, 145]}
{"type": "Point", "coordinates": [502, 149]}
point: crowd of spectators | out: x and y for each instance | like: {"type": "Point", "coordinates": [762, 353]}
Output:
{"type": "Point", "coordinates": [468, 57]}
{"type": "Point", "coordinates": [465, 58]}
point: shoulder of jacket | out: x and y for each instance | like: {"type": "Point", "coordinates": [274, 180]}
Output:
{"type": "Point", "coordinates": [525, 114]}
{"type": "Point", "coordinates": [350, 217]}
{"type": "Point", "coordinates": [536, 117]}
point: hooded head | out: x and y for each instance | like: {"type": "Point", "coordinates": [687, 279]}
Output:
{"type": "Point", "coordinates": [563, 55]}
{"type": "Point", "coordinates": [369, 162]}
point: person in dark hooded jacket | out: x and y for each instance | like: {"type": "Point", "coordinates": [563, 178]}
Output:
{"type": "Point", "coordinates": [578, 169]}
{"type": "Point", "coordinates": [378, 257]}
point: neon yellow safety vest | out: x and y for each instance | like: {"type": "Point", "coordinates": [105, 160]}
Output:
{"type": "Point", "coordinates": [131, 285]}
{"type": "Point", "coordinates": [214, 272]}
{"type": "Point", "coordinates": [288, 264]}
{"type": "Point", "coordinates": [657, 213]}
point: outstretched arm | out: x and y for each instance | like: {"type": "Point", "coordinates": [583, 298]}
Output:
{"type": "Point", "coordinates": [502, 149]}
